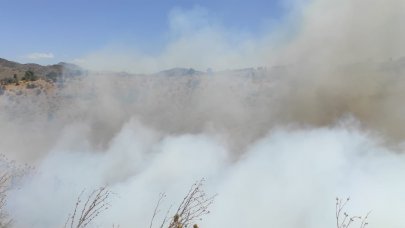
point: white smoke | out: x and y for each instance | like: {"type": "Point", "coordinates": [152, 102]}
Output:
{"type": "Point", "coordinates": [287, 178]}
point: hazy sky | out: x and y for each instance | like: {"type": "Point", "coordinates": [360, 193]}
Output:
{"type": "Point", "coordinates": [49, 31]}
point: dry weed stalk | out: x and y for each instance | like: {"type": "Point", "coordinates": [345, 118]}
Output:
{"type": "Point", "coordinates": [9, 174]}
{"type": "Point", "coordinates": [157, 210]}
{"type": "Point", "coordinates": [343, 219]}
{"type": "Point", "coordinates": [193, 207]}
{"type": "Point", "coordinates": [83, 215]}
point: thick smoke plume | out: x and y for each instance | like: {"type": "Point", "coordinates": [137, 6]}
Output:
{"type": "Point", "coordinates": [322, 118]}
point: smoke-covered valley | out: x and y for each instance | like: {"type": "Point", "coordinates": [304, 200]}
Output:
{"type": "Point", "coordinates": [321, 118]}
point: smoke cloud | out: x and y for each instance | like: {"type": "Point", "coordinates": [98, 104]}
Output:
{"type": "Point", "coordinates": [322, 117]}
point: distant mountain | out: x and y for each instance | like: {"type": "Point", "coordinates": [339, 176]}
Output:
{"type": "Point", "coordinates": [180, 72]}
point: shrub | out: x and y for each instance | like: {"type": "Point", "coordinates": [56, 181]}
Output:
{"type": "Point", "coordinates": [30, 76]}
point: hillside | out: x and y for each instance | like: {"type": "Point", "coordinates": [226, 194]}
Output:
{"type": "Point", "coordinates": [10, 70]}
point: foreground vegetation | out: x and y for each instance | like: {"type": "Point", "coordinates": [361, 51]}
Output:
{"type": "Point", "coordinates": [191, 210]}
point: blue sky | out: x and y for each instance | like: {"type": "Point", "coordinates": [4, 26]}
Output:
{"type": "Point", "coordinates": [49, 31]}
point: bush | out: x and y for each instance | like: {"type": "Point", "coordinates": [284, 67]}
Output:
{"type": "Point", "coordinates": [30, 76]}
